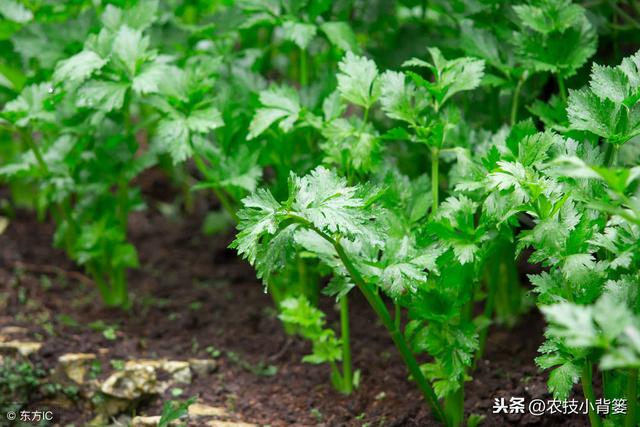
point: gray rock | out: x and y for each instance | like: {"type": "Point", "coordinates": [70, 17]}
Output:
{"type": "Point", "coordinates": [22, 348]}
{"type": "Point", "coordinates": [134, 381]}
{"type": "Point", "coordinates": [151, 421]}
{"type": "Point", "coordinates": [180, 371]}
{"type": "Point", "coordinates": [203, 367]}
{"type": "Point", "coordinates": [201, 410]}
{"type": "Point", "coordinates": [76, 365]}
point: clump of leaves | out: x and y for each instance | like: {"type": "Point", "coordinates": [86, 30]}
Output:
{"type": "Point", "coordinates": [309, 322]}
{"type": "Point", "coordinates": [336, 222]}
{"type": "Point", "coordinates": [174, 411]}
{"type": "Point", "coordinates": [19, 381]}
{"type": "Point", "coordinates": [584, 219]}
{"type": "Point", "coordinates": [283, 105]}
{"type": "Point", "coordinates": [554, 36]}
{"type": "Point", "coordinates": [609, 106]}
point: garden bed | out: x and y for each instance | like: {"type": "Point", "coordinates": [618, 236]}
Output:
{"type": "Point", "coordinates": [193, 298]}
{"type": "Point", "coordinates": [426, 213]}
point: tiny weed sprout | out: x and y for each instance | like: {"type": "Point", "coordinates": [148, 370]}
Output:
{"type": "Point", "coordinates": [447, 169]}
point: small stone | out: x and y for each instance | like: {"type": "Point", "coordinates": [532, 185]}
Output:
{"type": "Point", "coordinates": [108, 407]}
{"type": "Point", "coordinates": [145, 421]}
{"type": "Point", "coordinates": [180, 371]}
{"type": "Point", "coordinates": [200, 410]}
{"type": "Point", "coordinates": [76, 365]}
{"type": "Point", "coordinates": [24, 348]}
{"type": "Point", "coordinates": [143, 362]}
{"type": "Point", "coordinates": [216, 423]}
{"type": "Point", "coordinates": [149, 421]}
{"type": "Point", "coordinates": [131, 383]}
{"type": "Point", "coordinates": [203, 367]}
{"type": "Point", "coordinates": [120, 421]}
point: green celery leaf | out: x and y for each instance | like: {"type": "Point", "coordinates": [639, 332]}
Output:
{"type": "Point", "coordinates": [102, 95]}
{"type": "Point", "coordinates": [357, 80]}
{"type": "Point", "coordinates": [341, 35]}
{"type": "Point", "coordinates": [401, 100]}
{"type": "Point", "coordinates": [571, 322]}
{"type": "Point", "coordinates": [138, 17]}
{"type": "Point", "coordinates": [30, 105]}
{"type": "Point", "coordinates": [281, 103]}
{"type": "Point", "coordinates": [550, 16]}
{"type": "Point", "coordinates": [150, 78]}
{"type": "Point", "coordinates": [299, 32]}
{"type": "Point", "coordinates": [15, 11]}
{"type": "Point", "coordinates": [129, 48]}
{"type": "Point", "coordinates": [79, 67]}
{"type": "Point", "coordinates": [451, 76]}
{"type": "Point", "coordinates": [555, 36]}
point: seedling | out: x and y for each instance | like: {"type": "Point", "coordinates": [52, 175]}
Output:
{"type": "Point", "coordinates": [213, 352]}
{"type": "Point", "coordinates": [174, 411]}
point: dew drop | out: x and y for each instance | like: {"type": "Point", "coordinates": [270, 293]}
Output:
{"type": "Point", "coordinates": [50, 89]}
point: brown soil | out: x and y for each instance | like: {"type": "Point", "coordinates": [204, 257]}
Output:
{"type": "Point", "coordinates": [192, 293]}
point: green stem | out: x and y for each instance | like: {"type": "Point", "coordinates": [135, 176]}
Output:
{"type": "Point", "coordinates": [378, 306]}
{"type": "Point", "coordinates": [587, 389]}
{"type": "Point", "coordinates": [302, 274]}
{"type": "Point", "coordinates": [307, 280]}
{"type": "Point", "coordinates": [347, 369]}
{"type": "Point", "coordinates": [504, 292]}
{"type": "Point", "coordinates": [102, 285]}
{"type": "Point", "coordinates": [454, 407]}
{"type": "Point", "coordinates": [632, 396]}
{"type": "Point", "coordinates": [516, 99]}
{"type": "Point", "coordinates": [562, 88]}
{"type": "Point", "coordinates": [335, 371]}
{"type": "Point", "coordinates": [365, 117]}
{"type": "Point", "coordinates": [624, 15]}
{"type": "Point", "coordinates": [187, 195]}
{"type": "Point", "coordinates": [222, 198]}
{"type": "Point", "coordinates": [612, 154]}
{"type": "Point", "coordinates": [435, 164]}
{"type": "Point", "coordinates": [398, 315]}
{"type": "Point", "coordinates": [275, 293]}
{"type": "Point", "coordinates": [304, 72]}
{"type": "Point", "coordinates": [123, 201]}
{"type": "Point", "coordinates": [64, 211]}
{"type": "Point", "coordinates": [226, 204]}
{"type": "Point", "coordinates": [616, 28]}
{"type": "Point", "coordinates": [381, 310]}
{"type": "Point", "coordinates": [482, 339]}
{"type": "Point", "coordinates": [120, 296]}
{"type": "Point", "coordinates": [36, 152]}
{"type": "Point", "coordinates": [114, 294]}
{"type": "Point", "coordinates": [126, 113]}
{"type": "Point", "coordinates": [118, 291]}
